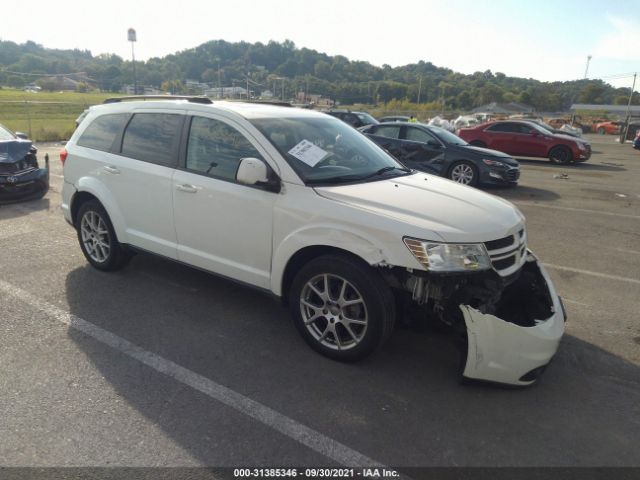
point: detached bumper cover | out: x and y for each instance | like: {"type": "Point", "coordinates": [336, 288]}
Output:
{"type": "Point", "coordinates": [505, 351]}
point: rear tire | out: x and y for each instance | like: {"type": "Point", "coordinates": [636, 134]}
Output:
{"type": "Point", "coordinates": [97, 238]}
{"type": "Point", "coordinates": [342, 307]}
{"type": "Point", "coordinates": [560, 154]}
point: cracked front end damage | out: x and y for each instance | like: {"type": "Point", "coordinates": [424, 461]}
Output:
{"type": "Point", "coordinates": [515, 343]}
{"type": "Point", "coordinates": [509, 328]}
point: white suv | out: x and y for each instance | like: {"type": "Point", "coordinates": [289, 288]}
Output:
{"type": "Point", "coordinates": [300, 204]}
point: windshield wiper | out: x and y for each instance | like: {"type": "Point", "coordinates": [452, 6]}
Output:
{"type": "Point", "coordinates": [385, 170]}
{"type": "Point", "coordinates": [355, 178]}
{"type": "Point", "coordinates": [329, 180]}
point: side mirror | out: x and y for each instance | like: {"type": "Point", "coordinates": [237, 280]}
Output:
{"type": "Point", "coordinates": [433, 143]}
{"type": "Point", "coordinates": [21, 135]}
{"type": "Point", "coordinates": [253, 171]}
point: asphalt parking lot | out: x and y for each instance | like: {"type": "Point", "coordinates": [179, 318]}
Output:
{"type": "Point", "coordinates": [162, 365]}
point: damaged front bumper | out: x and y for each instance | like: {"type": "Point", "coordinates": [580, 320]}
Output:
{"type": "Point", "coordinates": [515, 344]}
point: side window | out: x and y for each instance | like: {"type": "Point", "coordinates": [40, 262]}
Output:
{"type": "Point", "coordinates": [389, 131]}
{"type": "Point", "coordinates": [153, 137]}
{"type": "Point", "coordinates": [417, 135]}
{"type": "Point", "coordinates": [503, 127]}
{"type": "Point", "coordinates": [352, 120]}
{"type": "Point", "coordinates": [216, 148]}
{"type": "Point", "coordinates": [103, 131]}
{"type": "Point", "coordinates": [522, 128]}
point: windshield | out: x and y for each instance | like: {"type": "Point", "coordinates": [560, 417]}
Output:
{"type": "Point", "coordinates": [327, 150]}
{"type": "Point", "coordinates": [366, 118]}
{"type": "Point", "coordinates": [6, 134]}
{"type": "Point", "coordinates": [447, 137]}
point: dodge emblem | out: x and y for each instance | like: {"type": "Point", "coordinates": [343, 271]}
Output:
{"type": "Point", "coordinates": [12, 179]}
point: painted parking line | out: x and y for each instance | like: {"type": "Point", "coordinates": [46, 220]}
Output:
{"type": "Point", "coordinates": [594, 274]}
{"type": "Point", "coordinates": [304, 435]}
{"type": "Point", "coordinates": [573, 209]}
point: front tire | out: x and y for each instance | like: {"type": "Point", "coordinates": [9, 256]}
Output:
{"type": "Point", "coordinates": [560, 154]}
{"type": "Point", "coordinates": [464, 172]}
{"type": "Point", "coordinates": [97, 238]}
{"type": "Point", "coordinates": [342, 307]}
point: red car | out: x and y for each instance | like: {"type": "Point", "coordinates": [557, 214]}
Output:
{"type": "Point", "coordinates": [526, 139]}
{"type": "Point", "coordinates": [609, 128]}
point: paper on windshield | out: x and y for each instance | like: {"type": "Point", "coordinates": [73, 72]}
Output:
{"type": "Point", "coordinates": [308, 153]}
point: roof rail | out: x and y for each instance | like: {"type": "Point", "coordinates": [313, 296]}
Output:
{"type": "Point", "coordinates": [190, 98]}
{"type": "Point", "coordinates": [277, 103]}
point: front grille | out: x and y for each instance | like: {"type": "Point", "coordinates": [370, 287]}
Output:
{"type": "Point", "coordinates": [8, 168]}
{"type": "Point", "coordinates": [504, 263]}
{"type": "Point", "coordinates": [500, 243]}
{"type": "Point", "coordinates": [512, 175]}
{"type": "Point", "coordinates": [509, 253]}
{"type": "Point", "coordinates": [16, 167]}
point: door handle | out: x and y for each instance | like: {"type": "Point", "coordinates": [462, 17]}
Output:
{"type": "Point", "coordinates": [185, 187]}
{"type": "Point", "coordinates": [111, 169]}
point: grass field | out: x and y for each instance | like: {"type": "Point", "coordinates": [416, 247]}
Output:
{"type": "Point", "coordinates": [45, 116]}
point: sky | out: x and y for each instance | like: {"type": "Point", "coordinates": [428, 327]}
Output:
{"type": "Point", "coordinates": [542, 39]}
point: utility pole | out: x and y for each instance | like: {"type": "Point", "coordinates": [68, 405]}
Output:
{"type": "Point", "coordinates": [131, 36]}
{"type": "Point", "coordinates": [248, 85]}
{"type": "Point", "coordinates": [419, 88]}
{"type": "Point", "coordinates": [626, 128]}
{"type": "Point", "coordinates": [283, 89]}
{"type": "Point", "coordinates": [586, 70]}
{"type": "Point", "coordinates": [219, 84]}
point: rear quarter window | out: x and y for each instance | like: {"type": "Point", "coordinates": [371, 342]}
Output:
{"type": "Point", "coordinates": [153, 138]}
{"type": "Point", "coordinates": [103, 131]}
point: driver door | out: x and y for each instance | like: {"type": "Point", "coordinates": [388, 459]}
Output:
{"type": "Point", "coordinates": [422, 150]}
{"type": "Point", "coordinates": [221, 225]}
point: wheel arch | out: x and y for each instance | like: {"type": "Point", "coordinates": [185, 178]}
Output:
{"type": "Point", "coordinates": [89, 189]}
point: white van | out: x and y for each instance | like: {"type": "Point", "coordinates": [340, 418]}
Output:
{"type": "Point", "coordinates": [298, 203]}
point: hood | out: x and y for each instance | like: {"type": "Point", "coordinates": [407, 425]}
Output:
{"type": "Point", "coordinates": [12, 151]}
{"type": "Point", "coordinates": [435, 208]}
{"type": "Point", "coordinates": [483, 152]}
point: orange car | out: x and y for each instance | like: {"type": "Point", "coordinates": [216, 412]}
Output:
{"type": "Point", "coordinates": [609, 128]}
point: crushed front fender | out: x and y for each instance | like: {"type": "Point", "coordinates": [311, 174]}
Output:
{"type": "Point", "coordinates": [515, 344]}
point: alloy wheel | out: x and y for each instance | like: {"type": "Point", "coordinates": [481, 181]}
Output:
{"type": "Point", "coordinates": [95, 236]}
{"type": "Point", "coordinates": [333, 311]}
{"type": "Point", "coordinates": [462, 173]}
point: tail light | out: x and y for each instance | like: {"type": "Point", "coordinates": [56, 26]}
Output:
{"type": "Point", "coordinates": [63, 155]}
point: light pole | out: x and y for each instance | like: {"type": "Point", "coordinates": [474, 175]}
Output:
{"type": "Point", "coordinates": [131, 36]}
{"type": "Point", "coordinates": [219, 84]}
{"type": "Point", "coordinates": [626, 128]}
{"type": "Point", "coordinates": [586, 70]}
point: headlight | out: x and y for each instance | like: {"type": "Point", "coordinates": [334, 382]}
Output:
{"type": "Point", "coordinates": [493, 163]}
{"type": "Point", "coordinates": [582, 146]}
{"type": "Point", "coordinates": [449, 257]}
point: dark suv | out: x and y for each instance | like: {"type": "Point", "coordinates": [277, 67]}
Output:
{"type": "Point", "coordinates": [355, 119]}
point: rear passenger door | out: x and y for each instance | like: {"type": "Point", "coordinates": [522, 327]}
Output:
{"type": "Point", "coordinates": [139, 175]}
{"type": "Point", "coordinates": [502, 137]}
{"type": "Point", "coordinates": [222, 226]}
{"type": "Point", "coordinates": [388, 137]}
